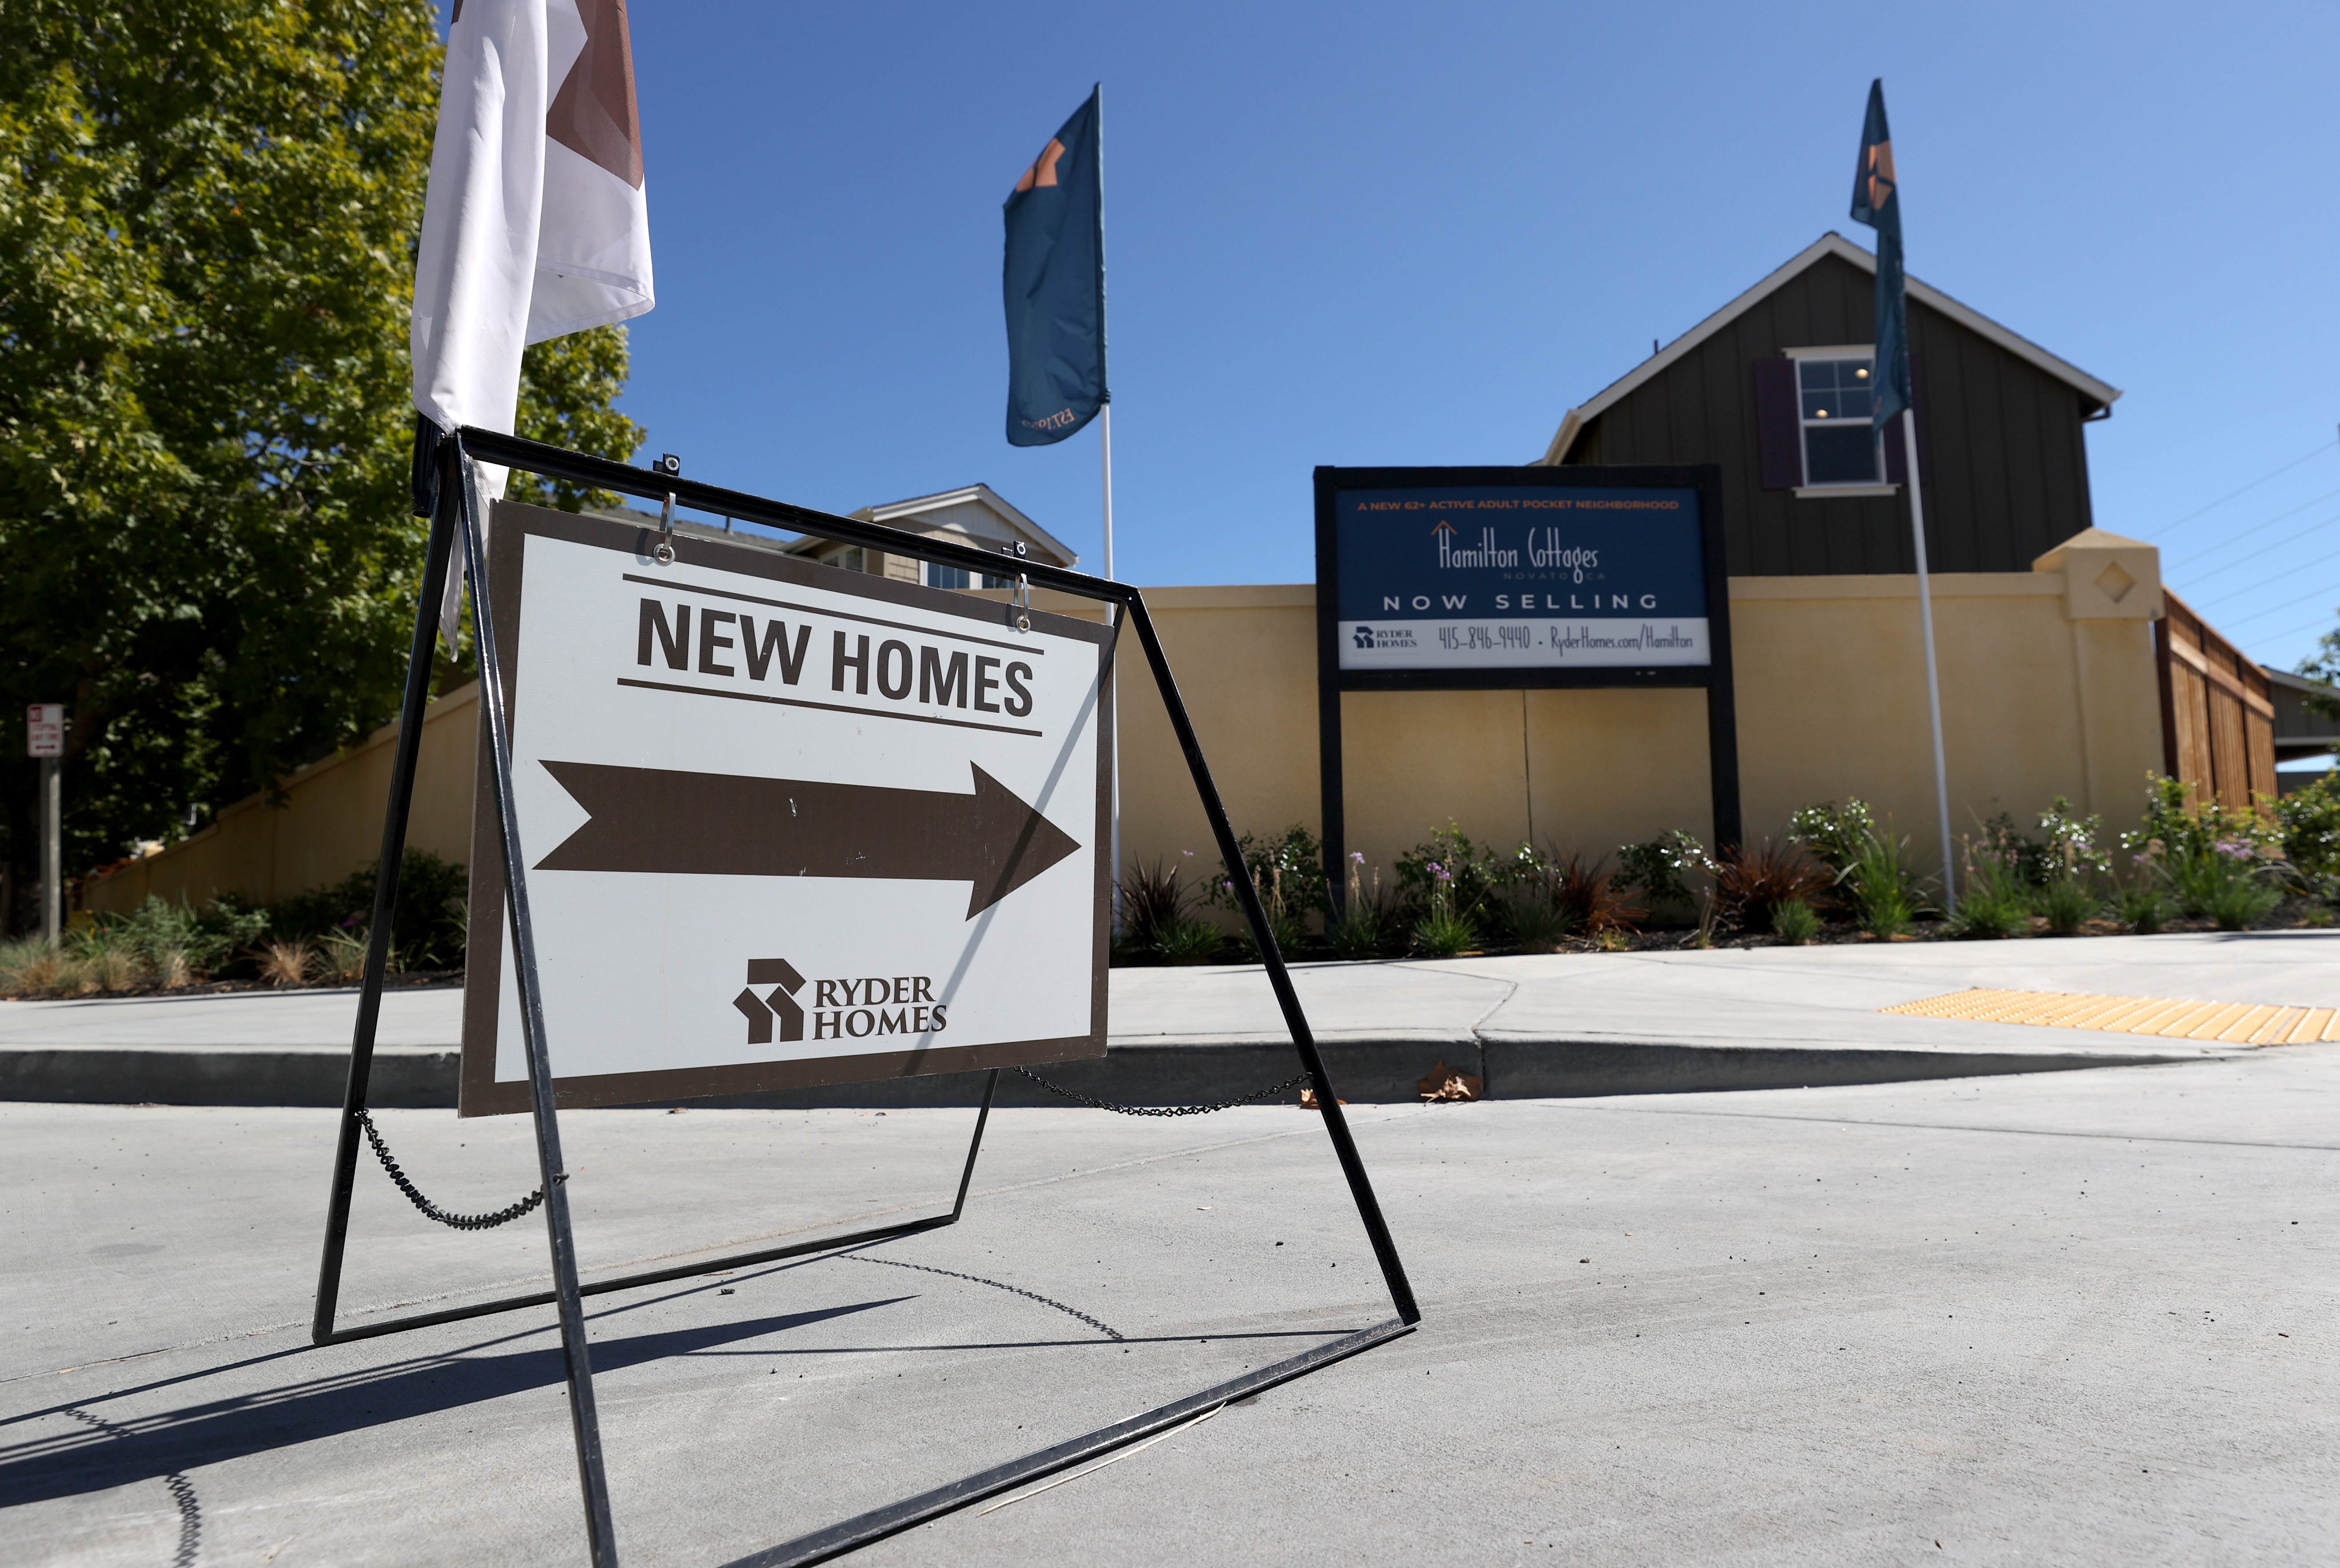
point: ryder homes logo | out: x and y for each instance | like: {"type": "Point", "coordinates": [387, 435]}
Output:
{"type": "Point", "coordinates": [842, 1009]}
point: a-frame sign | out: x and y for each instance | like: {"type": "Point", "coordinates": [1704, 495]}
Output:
{"type": "Point", "coordinates": [831, 765]}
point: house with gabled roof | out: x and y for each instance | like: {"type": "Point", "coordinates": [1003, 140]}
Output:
{"type": "Point", "coordinates": [972, 514]}
{"type": "Point", "coordinates": [1774, 388]}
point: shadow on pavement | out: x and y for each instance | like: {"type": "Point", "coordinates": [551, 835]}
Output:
{"type": "Point", "coordinates": [152, 1447]}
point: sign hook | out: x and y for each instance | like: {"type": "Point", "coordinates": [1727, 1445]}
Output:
{"type": "Point", "coordinates": [669, 465]}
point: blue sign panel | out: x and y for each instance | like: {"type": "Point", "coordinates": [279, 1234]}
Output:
{"type": "Point", "coordinates": [1490, 577]}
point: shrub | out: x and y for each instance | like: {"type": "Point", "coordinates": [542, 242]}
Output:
{"type": "Point", "coordinates": [1288, 869]}
{"type": "Point", "coordinates": [1152, 899]}
{"type": "Point", "coordinates": [2309, 821]}
{"type": "Point", "coordinates": [31, 967]}
{"type": "Point", "coordinates": [341, 956]}
{"type": "Point", "coordinates": [1536, 923]}
{"type": "Point", "coordinates": [1794, 922]}
{"type": "Point", "coordinates": [2172, 831]}
{"type": "Point", "coordinates": [1442, 933]}
{"type": "Point", "coordinates": [1368, 923]}
{"type": "Point", "coordinates": [101, 957]}
{"type": "Point", "coordinates": [2143, 908]}
{"type": "Point", "coordinates": [1362, 931]}
{"type": "Point", "coordinates": [2205, 875]}
{"type": "Point", "coordinates": [2069, 847]}
{"type": "Point", "coordinates": [428, 930]}
{"type": "Point", "coordinates": [1443, 929]}
{"type": "Point", "coordinates": [1288, 874]}
{"type": "Point", "coordinates": [1995, 904]}
{"type": "Point", "coordinates": [1888, 913]}
{"type": "Point", "coordinates": [2243, 902]}
{"type": "Point", "coordinates": [1284, 925]}
{"type": "Point", "coordinates": [2068, 902]}
{"type": "Point", "coordinates": [1834, 834]}
{"type": "Point", "coordinates": [1655, 870]}
{"type": "Point", "coordinates": [1750, 884]}
{"type": "Point", "coordinates": [288, 961]}
{"type": "Point", "coordinates": [1448, 864]}
{"type": "Point", "coordinates": [1189, 940]}
{"type": "Point", "coordinates": [1589, 898]}
{"type": "Point", "coordinates": [1885, 891]}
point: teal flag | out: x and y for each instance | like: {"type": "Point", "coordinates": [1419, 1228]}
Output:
{"type": "Point", "coordinates": [1054, 281]}
{"type": "Point", "coordinates": [1876, 201]}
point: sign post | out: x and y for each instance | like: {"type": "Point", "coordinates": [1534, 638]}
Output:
{"type": "Point", "coordinates": [749, 823]}
{"type": "Point", "coordinates": [45, 738]}
{"type": "Point", "coordinates": [1477, 579]}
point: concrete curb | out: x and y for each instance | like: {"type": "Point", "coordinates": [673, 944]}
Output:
{"type": "Point", "coordinates": [1155, 1073]}
{"type": "Point", "coordinates": [404, 1077]}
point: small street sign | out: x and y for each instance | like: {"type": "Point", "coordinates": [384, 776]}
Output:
{"type": "Point", "coordinates": [786, 824]}
{"type": "Point", "coordinates": [44, 730]}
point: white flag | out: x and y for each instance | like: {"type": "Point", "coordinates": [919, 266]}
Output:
{"type": "Point", "coordinates": [535, 223]}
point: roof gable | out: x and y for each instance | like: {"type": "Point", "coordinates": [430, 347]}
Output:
{"type": "Point", "coordinates": [1828, 245]}
{"type": "Point", "coordinates": [976, 510]}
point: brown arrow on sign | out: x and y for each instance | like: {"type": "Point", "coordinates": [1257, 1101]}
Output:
{"type": "Point", "coordinates": [726, 825]}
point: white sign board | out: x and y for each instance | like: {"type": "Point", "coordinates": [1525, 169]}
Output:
{"type": "Point", "coordinates": [44, 730]}
{"type": "Point", "coordinates": [785, 825]}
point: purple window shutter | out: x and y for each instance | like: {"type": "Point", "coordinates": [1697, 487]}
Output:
{"type": "Point", "coordinates": [1897, 446]}
{"type": "Point", "coordinates": [1897, 458]}
{"type": "Point", "coordinates": [1779, 434]}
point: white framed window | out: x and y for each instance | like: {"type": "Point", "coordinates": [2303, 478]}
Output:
{"type": "Point", "coordinates": [941, 576]}
{"type": "Point", "coordinates": [1836, 397]}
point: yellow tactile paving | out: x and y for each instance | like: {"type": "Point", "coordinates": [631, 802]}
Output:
{"type": "Point", "coordinates": [2234, 1023]}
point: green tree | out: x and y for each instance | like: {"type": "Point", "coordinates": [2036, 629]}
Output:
{"type": "Point", "coordinates": [207, 218]}
{"type": "Point", "coordinates": [2324, 666]}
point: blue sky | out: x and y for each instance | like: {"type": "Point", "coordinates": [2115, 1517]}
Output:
{"type": "Point", "coordinates": [1362, 234]}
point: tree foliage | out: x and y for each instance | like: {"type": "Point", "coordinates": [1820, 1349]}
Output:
{"type": "Point", "coordinates": [2322, 665]}
{"type": "Point", "coordinates": [208, 210]}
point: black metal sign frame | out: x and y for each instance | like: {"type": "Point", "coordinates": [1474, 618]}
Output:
{"type": "Point", "coordinates": [1332, 679]}
{"type": "Point", "coordinates": [447, 469]}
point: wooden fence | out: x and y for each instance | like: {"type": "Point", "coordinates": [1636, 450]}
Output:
{"type": "Point", "coordinates": [2217, 716]}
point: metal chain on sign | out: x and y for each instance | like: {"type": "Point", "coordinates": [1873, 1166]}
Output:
{"type": "Point", "coordinates": [1293, 1082]}
{"type": "Point", "coordinates": [1107, 1331]}
{"type": "Point", "coordinates": [432, 1210]}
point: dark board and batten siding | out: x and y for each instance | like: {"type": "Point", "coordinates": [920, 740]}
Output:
{"type": "Point", "coordinates": [2007, 470]}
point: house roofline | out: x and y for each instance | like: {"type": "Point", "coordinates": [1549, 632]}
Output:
{"type": "Point", "coordinates": [886, 511]}
{"type": "Point", "coordinates": [1831, 243]}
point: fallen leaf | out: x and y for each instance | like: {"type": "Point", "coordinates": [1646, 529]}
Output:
{"type": "Point", "coordinates": [1444, 1083]}
{"type": "Point", "coordinates": [1308, 1100]}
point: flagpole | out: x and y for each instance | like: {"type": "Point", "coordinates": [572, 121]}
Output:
{"type": "Point", "coordinates": [1105, 420]}
{"type": "Point", "coordinates": [1933, 679]}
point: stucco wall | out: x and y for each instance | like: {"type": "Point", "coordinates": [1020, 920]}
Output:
{"type": "Point", "coordinates": [330, 824]}
{"type": "Point", "coordinates": [2043, 693]}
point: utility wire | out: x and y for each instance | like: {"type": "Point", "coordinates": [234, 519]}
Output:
{"type": "Point", "coordinates": [2214, 546]}
{"type": "Point", "coordinates": [2228, 595]}
{"type": "Point", "coordinates": [2278, 544]}
{"type": "Point", "coordinates": [2287, 604]}
{"type": "Point", "coordinates": [2262, 479]}
{"type": "Point", "coordinates": [2305, 626]}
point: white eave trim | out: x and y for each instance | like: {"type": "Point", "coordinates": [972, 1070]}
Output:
{"type": "Point", "coordinates": [917, 505]}
{"type": "Point", "coordinates": [1828, 245]}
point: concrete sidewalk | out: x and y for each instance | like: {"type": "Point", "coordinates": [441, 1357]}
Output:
{"type": "Point", "coordinates": [2063, 1318]}
{"type": "Point", "coordinates": [1573, 1024]}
